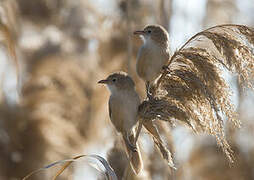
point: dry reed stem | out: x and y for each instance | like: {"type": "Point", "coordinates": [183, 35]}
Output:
{"type": "Point", "coordinates": [192, 88]}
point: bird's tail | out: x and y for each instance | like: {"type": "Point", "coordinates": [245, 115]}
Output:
{"type": "Point", "coordinates": [134, 156]}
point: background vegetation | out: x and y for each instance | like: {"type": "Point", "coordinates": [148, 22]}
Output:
{"type": "Point", "coordinates": [57, 110]}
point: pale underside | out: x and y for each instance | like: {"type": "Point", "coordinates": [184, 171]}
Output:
{"type": "Point", "coordinates": [150, 61]}
{"type": "Point", "coordinates": [123, 109]}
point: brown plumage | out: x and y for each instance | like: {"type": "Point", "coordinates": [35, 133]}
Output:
{"type": "Point", "coordinates": [153, 54]}
{"type": "Point", "coordinates": [123, 111]}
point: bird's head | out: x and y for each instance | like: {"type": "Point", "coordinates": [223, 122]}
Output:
{"type": "Point", "coordinates": [118, 81]}
{"type": "Point", "coordinates": [156, 33]}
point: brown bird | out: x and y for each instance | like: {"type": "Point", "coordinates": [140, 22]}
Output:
{"type": "Point", "coordinates": [153, 54]}
{"type": "Point", "coordinates": [123, 112]}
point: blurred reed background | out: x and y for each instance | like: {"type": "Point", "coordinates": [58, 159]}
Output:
{"type": "Point", "coordinates": [55, 109]}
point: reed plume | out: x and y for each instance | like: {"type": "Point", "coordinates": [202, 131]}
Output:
{"type": "Point", "coordinates": [192, 87]}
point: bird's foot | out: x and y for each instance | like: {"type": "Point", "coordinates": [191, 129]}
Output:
{"type": "Point", "coordinates": [149, 95]}
{"type": "Point", "coordinates": [165, 67]}
{"type": "Point", "coordinates": [132, 147]}
{"type": "Point", "coordinates": [129, 145]}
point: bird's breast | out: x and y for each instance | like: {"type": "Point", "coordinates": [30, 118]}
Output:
{"type": "Point", "coordinates": [124, 109]}
{"type": "Point", "coordinates": [150, 61]}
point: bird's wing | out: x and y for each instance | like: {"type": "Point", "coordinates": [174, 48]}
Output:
{"type": "Point", "coordinates": [141, 64]}
{"type": "Point", "coordinates": [116, 114]}
{"type": "Point", "coordinates": [193, 88]}
{"type": "Point", "coordinates": [109, 109]}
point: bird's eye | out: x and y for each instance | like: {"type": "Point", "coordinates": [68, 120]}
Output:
{"type": "Point", "coordinates": [149, 31]}
{"type": "Point", "coordinates": [114, 80]}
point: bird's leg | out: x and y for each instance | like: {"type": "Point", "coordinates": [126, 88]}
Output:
{"type": "Point", "coordinates": [128, 143]}
{"type": "Point", "coordinates": [165, 68]}
{"type": "Point", "coordinates": [148, 94]}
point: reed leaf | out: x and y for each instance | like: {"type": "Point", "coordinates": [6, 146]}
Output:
{"type": "Point", "coordinates": [110, 174]}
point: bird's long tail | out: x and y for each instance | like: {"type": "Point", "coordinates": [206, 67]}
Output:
{"type": "Point", "coordinates": [135, 156]}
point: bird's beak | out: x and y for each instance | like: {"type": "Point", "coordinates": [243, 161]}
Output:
{"type": "Point", "coordinates": [104, 81]}
{"type": "Point", "coordinates": [139, 32]}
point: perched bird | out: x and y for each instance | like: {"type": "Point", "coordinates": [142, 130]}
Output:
{"type": "Point", "coordinates": [123, 112]}
{"type": "Point", "coordinates": [153, 54]}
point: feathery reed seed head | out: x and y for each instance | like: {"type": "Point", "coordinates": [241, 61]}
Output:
{"type": "Point", "coordinates": [192, 88]}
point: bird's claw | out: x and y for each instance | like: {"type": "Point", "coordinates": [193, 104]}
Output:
{"type": "Point", "coordinates": [149, 95]}
{"type": "Point", "coordinates": [132, 147]}
{"type": "Point", "coordinates": [165, 67]}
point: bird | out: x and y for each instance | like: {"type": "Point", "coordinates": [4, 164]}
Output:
{"type": "Point", "coordinates": [153, 54]}
{"type": "Point", "coordinates": [123, 112]}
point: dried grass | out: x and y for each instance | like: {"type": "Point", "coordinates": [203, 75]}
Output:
{"type": "Point", "coordinates": [109, 172]}
{"type": "Point", "coordinates": [192, 88]}
{"type": "Point", "coordinates": [118, 160]}
{"type": "Point", "coordinates": [207, 163]}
